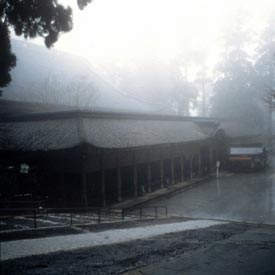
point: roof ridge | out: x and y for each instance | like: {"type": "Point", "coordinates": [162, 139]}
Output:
{"type": "Point", "coordinates": [99, 114]}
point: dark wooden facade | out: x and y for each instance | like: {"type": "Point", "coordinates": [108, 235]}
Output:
{"type": "Point", "coordinates": [87, 174]}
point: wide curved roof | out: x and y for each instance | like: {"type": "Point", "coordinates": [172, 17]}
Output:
{"type": "Point", "coordinates": [67, 129]}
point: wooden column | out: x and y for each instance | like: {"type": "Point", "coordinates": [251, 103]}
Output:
{"type": "Point", "coordinates": [199, 164]}
{"type": "Point", "coordinates": [211, 159]}
{"type": "Point", "coordinates": [182, 169]}
{"type": "Point", "coordinates": [135, 178]}
{"type": "Point", "coordinates": [172, 171]}
{"type": "Point", "coordinates": [84, 188]}
{"type": "Point", "coordinates": [62, 189]}
{"type": "Point", "coordinates": [118, 180]}
{"type": "Point", "coordinates": [119, 197]}
{"type": "Point", "coordinates": [191, 166]}
{"type": "Point", "coordinates": [149, 177]}
{"type": "Point", "coordinates": [102, 182]}
{"type": "Point", "coordinates": [161, 174]}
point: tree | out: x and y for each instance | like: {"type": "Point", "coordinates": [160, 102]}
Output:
{"type": "Point", "coordinates": [265, 70]}
{"type": "Point", "coordinates": [79, 92]}
{"type": "Point", "coordinates": [235, 92]}
{"type": "Point", "coordinates": [7, 58]}
{"type": "Point", "coordinates": [265, 59]}
{"type": "Point", "coordinates": [161, 84]}
{"type": "Point", "coordinates": [31, 18]}
{"type": "Point", "coordinates": [202, 81]}
{"type": "Point", "coordinates": [182, 97]}
{"type": "Point", "coordinates": [183, 94]}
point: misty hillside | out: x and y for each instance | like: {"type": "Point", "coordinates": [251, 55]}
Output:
{"type": "Point", "coordinates": [51, 76]}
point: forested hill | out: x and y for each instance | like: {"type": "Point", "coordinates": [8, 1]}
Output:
{"type": "Point", "coordinates": [51, 76]}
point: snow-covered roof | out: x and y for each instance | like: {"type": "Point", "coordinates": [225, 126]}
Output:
{"type": "Point", "coordinates": [67, 129]}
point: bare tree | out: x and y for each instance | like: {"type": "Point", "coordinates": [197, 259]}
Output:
{"type": "Point", "coordinates": [79, 92]}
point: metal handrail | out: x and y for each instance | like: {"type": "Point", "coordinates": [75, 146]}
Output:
{"type": "Point", "coordinates": [141, 210]}
{"type": "Point", "coordinates": [98, 212]}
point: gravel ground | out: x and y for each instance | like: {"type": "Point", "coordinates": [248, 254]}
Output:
{"type": "Point", "coordinates": [119, 258]}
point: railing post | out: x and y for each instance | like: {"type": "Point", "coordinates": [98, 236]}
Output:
{"type": "Point", "coordinates": [99, 213]}
{"type": "Point", "coordinates": [122, 214]}
{"type": "Point", "coordinates": [71, 218]}
{"type": "Point", "coordinates": [34, 219]}
{"type": "Point", "coordinates": [161, 174]}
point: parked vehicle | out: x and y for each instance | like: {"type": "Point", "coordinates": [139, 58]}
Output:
{"type": "Point", "coordinates": [246, 157]}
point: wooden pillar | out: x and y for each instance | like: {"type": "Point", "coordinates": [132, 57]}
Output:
{"type": "Point", "coordinates": [210, 160]}
{"type": "Point", "coordinates": [84, 188]}
{"type": "Point", "coordinates": [182, 169]}
{"type": "Point", "coordinates": [172, 171]}
{"type": "Point", "coordinates": [119, 185]}
{"type": "Point", "coordinates": [191, 166]}
{"type": "Point", "coordinates": [62, 189]}
{"type": "Point", "coordinates": [119, 182]}
{"type": "Point", "coordinates": [161, 174]}
{"type": "Point", "coordinates": [149, 177]}
{"type": "Point", "coordinates": [102, 182]}
{"type": "Point", "coordinates": [135, 179]}
{"type": "Point", "coordinates": [199, 164]}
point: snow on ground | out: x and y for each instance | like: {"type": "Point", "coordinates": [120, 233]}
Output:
{"type": "Point", "coordinates": [45, 220]}
{"type": "Point", "coordinates": [23, 248]}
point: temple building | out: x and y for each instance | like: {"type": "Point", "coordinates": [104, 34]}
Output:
{"type": "Point", "coordinates": [90, 158]}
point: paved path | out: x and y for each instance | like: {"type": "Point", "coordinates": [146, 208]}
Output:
{"type": "Point", "coordinates": [247, 197]}
{"type": "Point", "coordinates": [250, 252]}
{"type": "Point", "coordinates": [23, 248]}
{"type": "Point", "coordinates": [170, 189]}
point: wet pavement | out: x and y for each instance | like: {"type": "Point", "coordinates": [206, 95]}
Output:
{"type": "Point", "coordinates": [250, 252]}
{"type": "Point", "coordinates": [121, 257]}
{"type": "Point", "coordinates": [245, 197]}
{"type": "Point", "coordinates": [230, 248]}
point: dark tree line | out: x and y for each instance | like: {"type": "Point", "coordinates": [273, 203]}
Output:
{"type": "Point", "coordinates": [31, 18]}
{"type": "Point", "coordinates": [244, 80]}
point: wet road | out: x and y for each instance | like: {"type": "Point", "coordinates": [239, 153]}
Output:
{"type": "Point", "coordinates": [248, 197]}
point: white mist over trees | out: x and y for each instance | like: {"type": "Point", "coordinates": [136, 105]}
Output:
{"type": "Point", "coordinates": [235, 89]}
{"type": "Point", "coordinates": [163, 54]}
{"type": "Point", "coordinates": [164, 86]}
{"type": "Point", "coordinates": [79, 93]}
{"type": "Point", "coordinates": [243, 79]}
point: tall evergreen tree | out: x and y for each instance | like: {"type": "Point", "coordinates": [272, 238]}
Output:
{"type": "Point", "coordinates": [235, 89]}
{"type": "Point", "coordinates": [265, 59]}
{"type": "Point", "coordinates": [31, 18]}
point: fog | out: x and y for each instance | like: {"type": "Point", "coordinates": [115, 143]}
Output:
{"type": "Point", "coordinates": [139, 141]}
{"type": "Point", "coordinates": [182, 57]}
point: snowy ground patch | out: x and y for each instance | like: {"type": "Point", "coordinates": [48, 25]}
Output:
{"type": "Point", "coordinates": [23, 248]}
